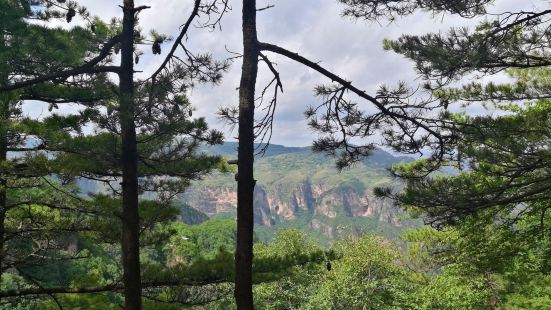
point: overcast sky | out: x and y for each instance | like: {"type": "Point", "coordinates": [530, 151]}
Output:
{"type": "Point", "coordinates": [313, 28]}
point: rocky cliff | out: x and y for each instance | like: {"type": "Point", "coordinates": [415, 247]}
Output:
{"type": "Point", "coordinates": [303, 189]}
{"type": "Point", "coordinates": [283, 204]}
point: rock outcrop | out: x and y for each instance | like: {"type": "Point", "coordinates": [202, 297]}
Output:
{"type": "Point", "coordinates": [296, 184]}
{"type": "Point", "coordinates": [278, 204]}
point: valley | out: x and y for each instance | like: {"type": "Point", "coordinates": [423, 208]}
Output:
{"type": "Point", "coordinates": [297, 188]}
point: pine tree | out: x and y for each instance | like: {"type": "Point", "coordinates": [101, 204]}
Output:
{"type": "Point", "coordinates": [40, 217]}
{"type": "Point", "coordinates": [494, 197]}
{"type": "Point", "coordinates": [37, 223]}
{"type": "Point", "coordinates": [339, 115]}
{"type": "Point", "coordinates": [100, 40]}
{"type": "Point", "coordinates": [503, 147]}
{"type": "Point", "coordinates": [504, 172]}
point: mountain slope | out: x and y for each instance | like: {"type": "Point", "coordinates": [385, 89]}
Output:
{"type": "Point", "coordinates": [299, 188]}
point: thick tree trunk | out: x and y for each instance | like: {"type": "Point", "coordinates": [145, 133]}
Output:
{"type": "Point", "coordinates": [245, 180]}
{"type": "Point", "coordinates": [130, 219]}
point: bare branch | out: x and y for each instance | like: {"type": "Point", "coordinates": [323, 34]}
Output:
{"type": "Point", "coordinates": [178, 41]}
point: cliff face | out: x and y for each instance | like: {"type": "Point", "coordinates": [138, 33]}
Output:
{"type": "Point", "coordinates": [280, 204]}
{"type": "Point", "coordinates": [211, 200]}
{"type": "Point", "coordinates": [298, 188]}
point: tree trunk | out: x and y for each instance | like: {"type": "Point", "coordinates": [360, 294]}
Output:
{"type": "Point", "coordinates": [130, 219]}
{"type": "Point", "coordinates": [493, 301]}
{"type": "Point", "coordinates": [5, 106]}
{"type": "Point", "coordinates": [245, 157]}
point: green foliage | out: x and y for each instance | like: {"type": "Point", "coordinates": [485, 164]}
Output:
{"type": "Point", "coordinates": [494, 209]}
{"type": "Point", "coordinates": [445, 279]}
{"type": "Point", "coordinates": [429, 269]}
{"type": "Point", "coordinates": [492, 252]}
{"type": "Point", "coordinates": [54, 48]}
{"type": "Point", "coordinates": [452, 290]}
{"type": "Point", "coordinates": [52, 235]}
{"type": "Point", "coordinates": [191, 216]}
{"type": "Point", "coordinates": [390, 9]}
{"type": "Point", "coordinates": [294, 285]}
{"type": "Point", "coordinates": [368, 276]}
{"type": "Point", "coordinates": [204, 240]}
{"type": "Point", "coordinates": [487, 263]}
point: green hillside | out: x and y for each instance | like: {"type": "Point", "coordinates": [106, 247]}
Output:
{"type": "Point", "coordinates": [297, 188]}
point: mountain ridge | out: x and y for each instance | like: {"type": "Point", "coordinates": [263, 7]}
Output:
{"type": "Point", "coordinates": [300, 188]}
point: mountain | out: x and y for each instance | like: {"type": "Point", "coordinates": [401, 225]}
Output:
{"type": "Point", "coordinates": [299, 188]}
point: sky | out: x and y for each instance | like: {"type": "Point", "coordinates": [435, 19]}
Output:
{"type": "Point", "coordinates": [314, 28]}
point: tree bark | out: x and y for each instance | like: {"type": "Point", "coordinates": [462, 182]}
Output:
{"type": "Point", "coordinates": [245, 157]}
{"type": "Point", "coordinates": [4, 115]}
{"type": "Point", "coordinates": [129, 157]}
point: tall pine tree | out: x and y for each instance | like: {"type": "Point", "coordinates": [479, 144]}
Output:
{"type": "Point", "coordinates": [100, 42]}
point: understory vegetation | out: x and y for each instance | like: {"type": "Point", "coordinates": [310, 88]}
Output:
{"type": "Point", "coordinates": [423, 269]}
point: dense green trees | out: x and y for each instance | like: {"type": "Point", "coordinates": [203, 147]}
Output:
{"type": "Point", "coordinates": [501, 161]}
{"type": "Point", "coordinates": [293, 286]}
{"type": "Point", "coordinates": [498, 205]}
{"type": "Point", "coordinates": [38, 224]}
{"type": "Point", "coordinates": [494, 204]}
{"type": "Point", "coordinates": [367, 276]}
{"type": "Point", "coordinates": [145, 140]}
{"type": "Point", "coordinates": [505, 162]}
{"type": "Point", "coordinates": [425, 269]}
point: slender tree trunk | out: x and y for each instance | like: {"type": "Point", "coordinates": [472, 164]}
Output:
{"type": "Point", "coordinates": [5, 106]}
{"type": "Point", "coordinates": [4, 115]}
{"type": "Point", "coordinates": [493, 301]}
{"type": "Point", "coordinates": [3, 210]}
{"type": "Point", "coordinates": [130, 218]}
{"type": "Point", "coordinates": [245, 157]}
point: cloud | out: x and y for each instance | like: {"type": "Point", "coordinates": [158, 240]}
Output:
{"type": "Point", "coordinates": [313, 28]}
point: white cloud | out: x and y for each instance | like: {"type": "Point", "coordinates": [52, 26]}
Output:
{"type": "Point", "coordinates": [315, 29]}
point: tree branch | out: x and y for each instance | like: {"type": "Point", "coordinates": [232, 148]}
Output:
{"type": "Point", "coordinates": [348, 85]}
{"type": "Point", "coordinates": [99, 289]}
{"type": "Point", "coordinates": [88, 67]}
{"type": "Point", "coordinates": [178, 40]}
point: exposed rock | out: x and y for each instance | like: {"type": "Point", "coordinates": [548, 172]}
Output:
{"type": "Point", "coordinates": [262, 214]}
{"type": "Point", "coordinates": [298, 184]}
{"type": "Point", "coordinates": [283, 204]}
{"type": "Point", "coordinates": [324, 228]}
{"type": "Point", "coordinates": [294, 183]}
{"type": "Point", "coordinates": [211, 200]}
